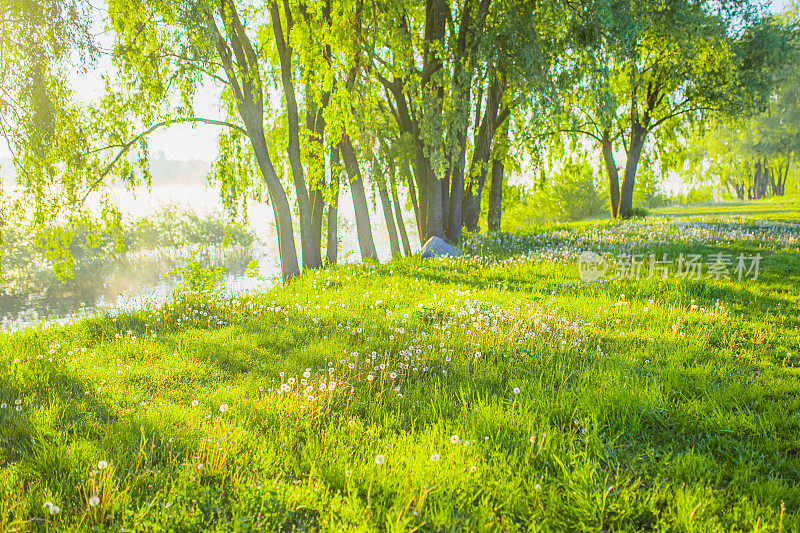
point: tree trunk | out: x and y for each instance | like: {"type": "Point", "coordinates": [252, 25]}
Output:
{"type": "Point", "coordinates": [317, 211]}
{"type": "Point", "coordinates": [417, 210]}
{"type": "Point", "coordinates": [457, 192]}
{"type": "Point", "coordinates": [445, 182]}
{"type": "Point", "coordinates": [243, 77]}
{"type": "Point", "coordinates": [433, 222]}
{"type": "Point", "coordinates": [464, 72]}
{"type": "Point", "coordinates": [363, 227]}
{"type": "Point", "coordinates": [416, 176]}
{"type": "Point", "coordinates": [436, 15]}
{"type": "Point", "coordinates": [388, 217]}
{"type": "Point", "coordinates": [401, 226]}
{"type": "Point", "coordinates": [757, 179]}
{"type": "Point", "coordinates": [420, 180]}
{"type": "Point", "coordinates": [638, 138]}
{"type": "Point", "coordinates": [738, 187]}
{"type": "Point", "coordinates": [315, 123]}
{"type": "Point", "coordinates": [613, 173]}
{"type": "Point", "coordinates": [782, 181]}
{"type": "Point", "coordinates": [333, 208]}
{"type": "Point", "coordinates": [769, 179]}
{"type": "Point", "coordinates": [311, 253]}
{"type": "Point", "coordinates": [496, 196]}
{"type": "Point", "coordinates": [280, 204]}
{"type": "Point", "coordinates": [471, 203]}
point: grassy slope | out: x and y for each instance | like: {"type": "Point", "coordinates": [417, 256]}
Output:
{"type": "Point", "coordinates": [641, 405]}
{"type": "Point", "coordinates": [774, 208]}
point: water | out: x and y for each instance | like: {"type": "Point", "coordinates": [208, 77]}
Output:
{"type": "Point", "coordinates": [124, 283]}
{"type": "Point", "coordinates": [136, 280]}
{"type": "Point", "coordinates": [116, 284]}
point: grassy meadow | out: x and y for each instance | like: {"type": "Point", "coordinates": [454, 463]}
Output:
{"type": "Point", "coordinates": [494, 392]}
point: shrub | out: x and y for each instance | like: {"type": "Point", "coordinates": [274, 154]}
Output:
{"type": "Point", "coordinates": [572, 193]}
{"type": "Point", "coordinates": [198, 281]}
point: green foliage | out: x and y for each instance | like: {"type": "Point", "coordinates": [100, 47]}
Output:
{"type": "Point", "coordinates": [92, 249]}
{"type": "Point", "coordinates": [573, 192]}
{"type": "Point", "coordinates": [174, 226]}
{"type": "Point", "coordinates": [656, 71]}
{"type": "Point", "coordinates": [699, 194]}
{"type": "Point", "coordinates": [198, 282]}
{"type": "Point", "coordinates": [724, 154]}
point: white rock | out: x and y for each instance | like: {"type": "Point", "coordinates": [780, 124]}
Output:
{"type": "Point", "coordinates": [436, 247]}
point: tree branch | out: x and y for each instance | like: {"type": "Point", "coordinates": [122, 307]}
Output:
{"type": "Point", "coordinates": [125, 147]}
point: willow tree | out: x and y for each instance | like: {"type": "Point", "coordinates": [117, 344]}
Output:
{"type": "Point", "coordinates": [316, 51]}
{"type": "Point", "coordinates": [752, 156]}
{"type": "Point", "coordinates": [660, 66]}
{"type": "Point", "coordinates": [61, 148]}
{"type": "Point", "coordinates": [431, 104]}
{"type": "Point", "coordinates": [445, 68]}
{"type": "Point", "coordinates": [388, 174]}
{"type": "Point", "coordinates": [165, 49]}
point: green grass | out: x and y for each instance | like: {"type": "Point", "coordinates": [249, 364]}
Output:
{"type": "Point", "coordinates": [550, 404]}
{"type": "Point", "coordinates": [773, 208]}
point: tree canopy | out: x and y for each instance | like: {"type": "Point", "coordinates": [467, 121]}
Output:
{"type": "Point", "coordinates": [428, 98]}
{"type": "Point", "coordinates": [662, 67]}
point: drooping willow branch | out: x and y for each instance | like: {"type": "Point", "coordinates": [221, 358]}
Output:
{"type": "Point", "coordinates": [125, 147]}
